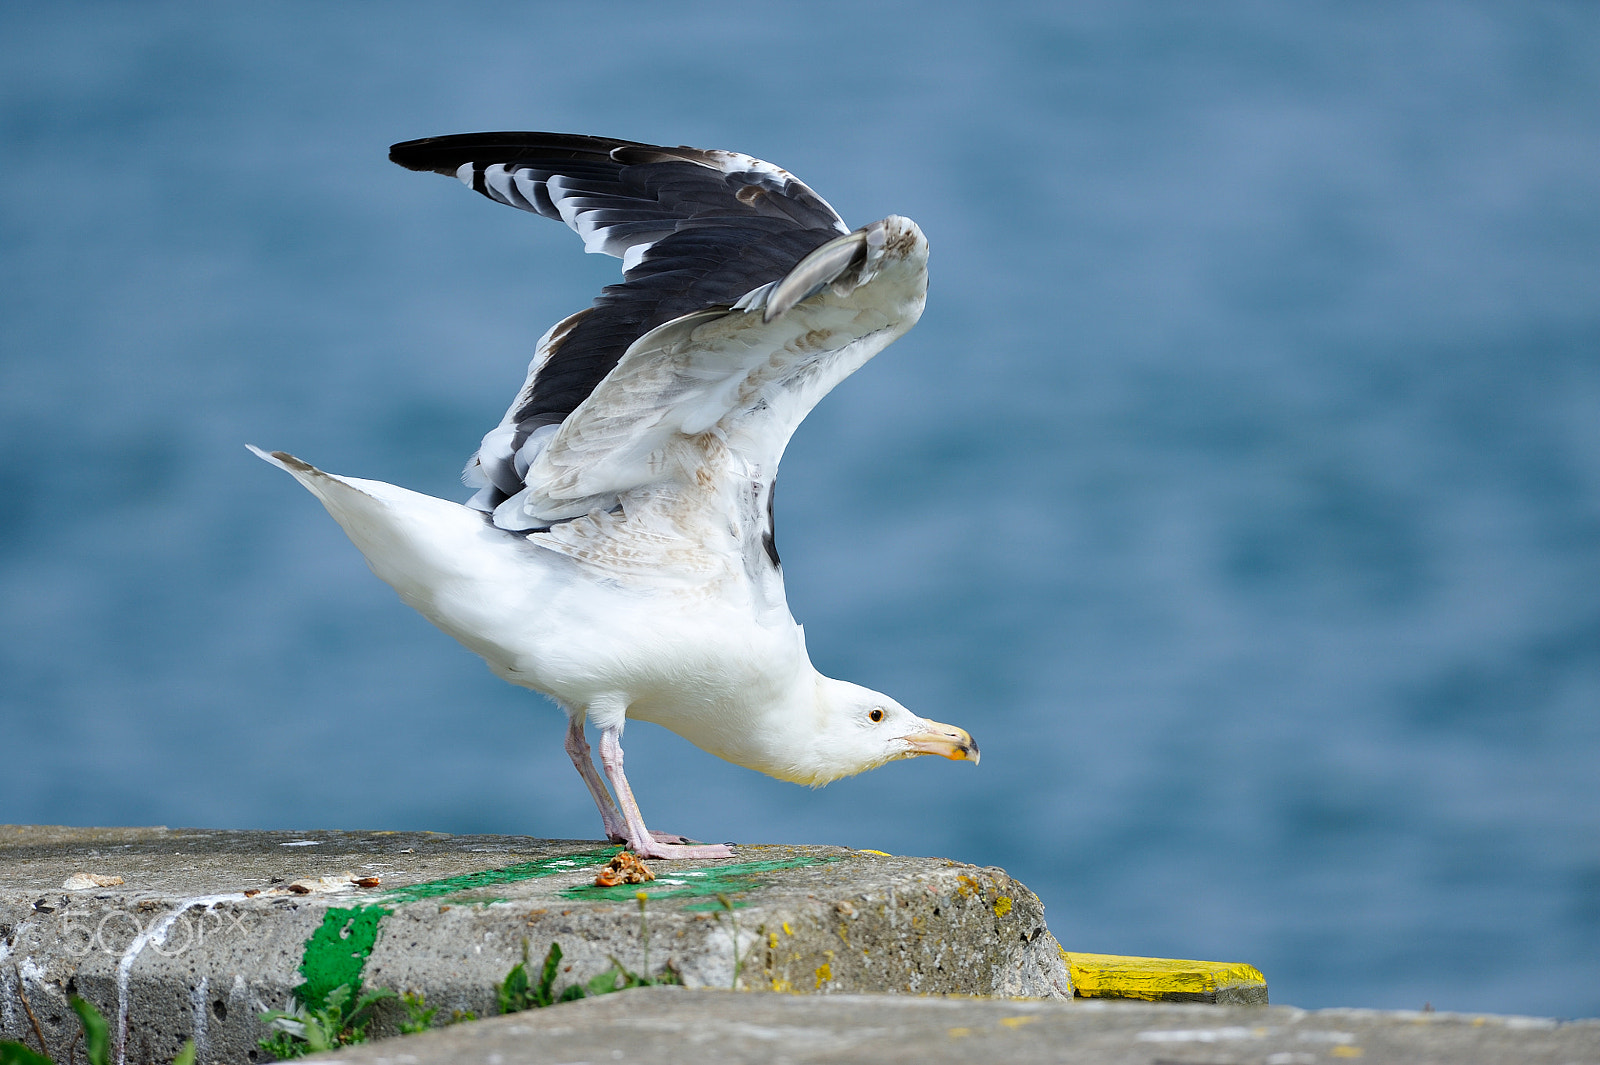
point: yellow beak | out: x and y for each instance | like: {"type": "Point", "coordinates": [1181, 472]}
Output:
{"type": "Point", "coordinates": [946, 740]}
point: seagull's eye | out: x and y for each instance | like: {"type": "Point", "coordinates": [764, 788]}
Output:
{"type": "Point", "coordinates": [877, 713]}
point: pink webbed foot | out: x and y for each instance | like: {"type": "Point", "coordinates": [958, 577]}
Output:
{"type": "Point", "coordinates": [659, 849]}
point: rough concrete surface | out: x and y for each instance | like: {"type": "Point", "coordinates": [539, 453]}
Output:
{"type": "Point", "coordinates": [177, 950]}
{"type": "Point", "coordinates": [667, 1026]}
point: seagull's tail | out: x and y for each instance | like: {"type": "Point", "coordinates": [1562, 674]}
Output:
{"type": "Point", "coordinates": [415, 542]}
{"type": "Point", "coordinates": [352, 502]}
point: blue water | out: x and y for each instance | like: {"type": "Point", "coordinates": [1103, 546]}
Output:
{"type": "Point", "coordinates": [1240, 489]}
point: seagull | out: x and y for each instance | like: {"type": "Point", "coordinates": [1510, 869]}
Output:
{"type": "Point", "coordinates": [619, 553]}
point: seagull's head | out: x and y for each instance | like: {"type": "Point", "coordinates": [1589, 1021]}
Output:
{"type": "Point", "coordinates": [860, 729]}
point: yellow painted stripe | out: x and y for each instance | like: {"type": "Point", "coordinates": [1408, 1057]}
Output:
{"type": "Point", "coordinates": [1154, 979]}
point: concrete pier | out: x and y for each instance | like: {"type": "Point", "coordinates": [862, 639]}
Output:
{"type": "Point", "coordinates": [178, 934]}
{"type": "Point", "coordinates": [672, 1026]}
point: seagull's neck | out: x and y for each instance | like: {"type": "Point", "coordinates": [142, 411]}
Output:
{"type": "Point", "coordinates": [790, 739]}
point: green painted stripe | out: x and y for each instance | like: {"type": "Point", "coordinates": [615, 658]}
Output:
{"type": "Point", "coordinates": [732, 879]}
{"type": "Point", "coordinates": [337, 951]}
{"type": "Point", "coordinates": [511, 874]}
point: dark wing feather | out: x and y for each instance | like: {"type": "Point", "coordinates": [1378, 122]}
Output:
{"type": "Point", "coordinates": [695, 228]}
{"type": "Point", "coordinates": [624, 192]}
{"type": "Point", "coordinates": [700, 267]}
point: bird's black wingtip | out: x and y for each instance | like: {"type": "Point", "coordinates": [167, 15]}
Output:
{"type": "Point", "coordinates": [423, 155]}
{"type": "Point", "coordinates": [444, 155]}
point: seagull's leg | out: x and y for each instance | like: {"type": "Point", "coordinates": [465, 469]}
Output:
{"type": "Point", "coordinates": [640, 839]}
{"type": "Point", "coordinates": [578, 751]}
{"type": "Point", "coordinates": [616, 828]}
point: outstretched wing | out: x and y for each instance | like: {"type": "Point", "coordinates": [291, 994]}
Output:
{"type": "Point", "coordinates": [694, 228]}
{"type": "Point", "coordinates": [721, 390]}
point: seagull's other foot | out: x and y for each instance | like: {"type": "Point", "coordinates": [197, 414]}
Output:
{"type": "Point", "coordinates": [620, 835]}
{"type": "Point", "coordinates": [671, 837]}
{"type": "Point", "coordinates": [656, 848]}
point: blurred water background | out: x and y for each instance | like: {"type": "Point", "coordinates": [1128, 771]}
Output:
{"type": "Point", "coordinates": [1240, 489]}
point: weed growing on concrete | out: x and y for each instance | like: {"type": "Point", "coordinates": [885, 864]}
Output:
{"type": "Point", "coordinates": [96, 1032]}
{"type": "Point", "coordinates": [96, 1041]}
{"type": "Point", "coordinates": [419, 1017]}
{"type": "Point", "coordinates": [337, 1022]}
{"type": "Point", "coordinates": [15, 1053]}
{"type": "Point", "coordinates": [516, 993]}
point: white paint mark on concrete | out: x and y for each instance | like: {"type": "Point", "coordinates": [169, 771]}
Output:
{"type": "Point", "coordinates": [197, 1002]}
{"type": "Point", "coordinates": [155, 933]}
{"type": "Point", "coordinates": [8, 1011]}
{"type": "Point", "coordinates": [302, 843]}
